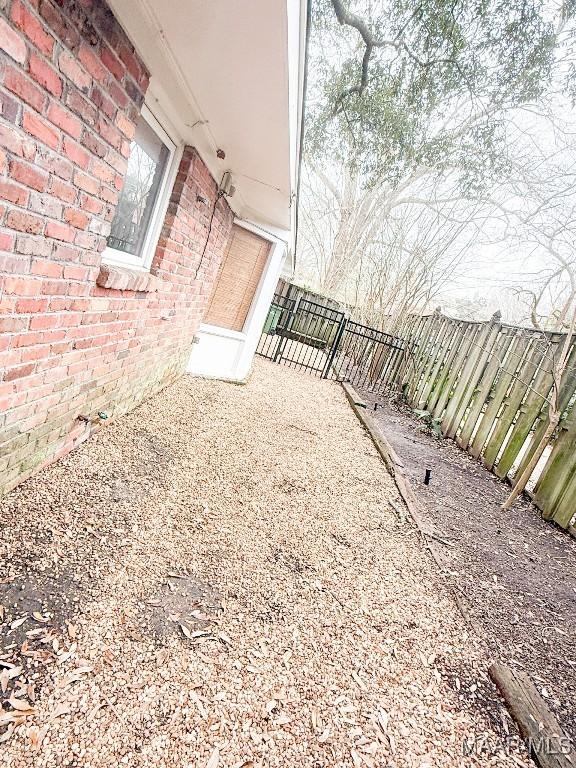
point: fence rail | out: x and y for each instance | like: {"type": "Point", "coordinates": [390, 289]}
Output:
{"type": "Point", "coordinates": [319, 338]}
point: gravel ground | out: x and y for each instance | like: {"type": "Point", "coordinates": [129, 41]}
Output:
{"type": "Point", "coordinates": [218, 580]}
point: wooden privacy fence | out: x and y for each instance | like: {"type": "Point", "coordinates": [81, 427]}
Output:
{"type": "Point", "coordinates": [488, 386]}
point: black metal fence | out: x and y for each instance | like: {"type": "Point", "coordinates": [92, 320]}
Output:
{"type": "Point", "coordinates": [321, 340]}
{"type": "Point", "coordinates": [368, 357]}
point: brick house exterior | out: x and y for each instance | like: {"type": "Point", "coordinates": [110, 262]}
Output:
{"type": "Point", "coordinates": [78, 337]}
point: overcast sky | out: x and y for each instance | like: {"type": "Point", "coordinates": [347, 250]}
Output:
{"type": "Point", "coordinates": [501, 255]}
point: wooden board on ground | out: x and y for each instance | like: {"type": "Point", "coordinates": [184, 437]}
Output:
{"type": "Point", "coordinates": [548, 745]}
{"type": "Point", "coordinates": [391, 459]}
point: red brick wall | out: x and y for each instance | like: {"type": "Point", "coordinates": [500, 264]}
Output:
{"type": "Point", "coordinates": [75, 338]}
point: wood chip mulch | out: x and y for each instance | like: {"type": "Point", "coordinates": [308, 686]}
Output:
{"type": "Point", "coordinates": [220, 579]}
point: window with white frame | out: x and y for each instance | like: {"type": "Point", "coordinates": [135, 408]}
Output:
{"type": "Point", "coordinates": [142, 202]}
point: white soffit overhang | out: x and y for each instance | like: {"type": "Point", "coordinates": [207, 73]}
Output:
{"type": "Point", "coordinates": [227, 75]}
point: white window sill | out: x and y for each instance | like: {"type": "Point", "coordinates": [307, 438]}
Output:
{"type": "Point", "coordinates": [109, 258]}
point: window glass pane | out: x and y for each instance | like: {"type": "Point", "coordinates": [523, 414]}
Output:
{"type": "Point", "coordinates": [146, 165]}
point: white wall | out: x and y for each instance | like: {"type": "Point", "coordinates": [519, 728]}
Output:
{"type": "Point", "coordinates": [223, 354]}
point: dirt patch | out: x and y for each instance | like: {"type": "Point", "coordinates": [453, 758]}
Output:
{"type": "Point", "coordinates": [37, 635]}
{"type": "Point", "coordinates": [36, 595]}
{"type": "Point", "coordinates": [515, 571]}
{"type": "Point", "coordinates": [184, 606]}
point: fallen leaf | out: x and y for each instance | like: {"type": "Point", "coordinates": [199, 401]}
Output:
{"type": "Point", "coordinates": [36, 632]}
{"type": "Point", "coordinates": [162, 656]}
{"type": "Point", "coordinates": [67, 655]}
{"type": "Point", "coordinates": [315, 717]}
{"type": "Point", "coordinates": [19, 704]}
{"type": "Point", "coordinates": [61, 709]}
{"type": "Point", "coordinates": [280, 694]}
{"type": "Point", "coordinates": [282, 720]}
{"type": "Point", "coordinates": [356, 757]}
{"type": "Point", "coordinates": [92, 714]}
{"type": "Point", "coordinates": [18, 622]}
{"type": "Point", "coordinates": [214, 760]}
{"type": "Point", "coordinates": [367, 760]}
{"type": "Point", "coordinates": [7, 675]}
{"type": "Point", "coordinates": [7, 717]}
{"type": "Point", "coordinates": [33, 736]}
{"type": "Point", "coordinates": [200, 616]}
{"type": "Point", "coordinates": [359, 681]}
{"type": "Point", "coordinates": [38, 617]}
{"type": "Point", "coordinates": [382, 718]}
{"type": "Point", "coordinates": [83, 670]}
{"type": "Point", "coordinates": [75, 675]}
{"type": "Point", "coordinates": [185, 631]}
{"type": "Point", "coordinates": [195, 698]}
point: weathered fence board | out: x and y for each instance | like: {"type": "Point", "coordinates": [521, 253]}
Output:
{"type": "Point", "coordinates": [469, 377]}
{"type": "Point", "coordinates": [563, 512]}
{"type": "Point", "coordinates": [567, 389]}
{"type": "Point", "coordinates": [462, 350]}
{"type": "Point", "coordinates": [528, 412]}
{"type": "Point", "coordinates": [455, 340]}
{"type": "Point", "coordinates": [431, 356]}
{"type": "Point", "coordinates": [435, 365]}
{"type": "Point", "coordinates": [523, 374]}
{"type": "Point", "coordinates": [494, 403]}
{"type": "Point", "coordinates": [560, 468]}
{"type": "Point", "coordinates": [481, 395]}
{"type": "Point", "coordinates": [421, 355]}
